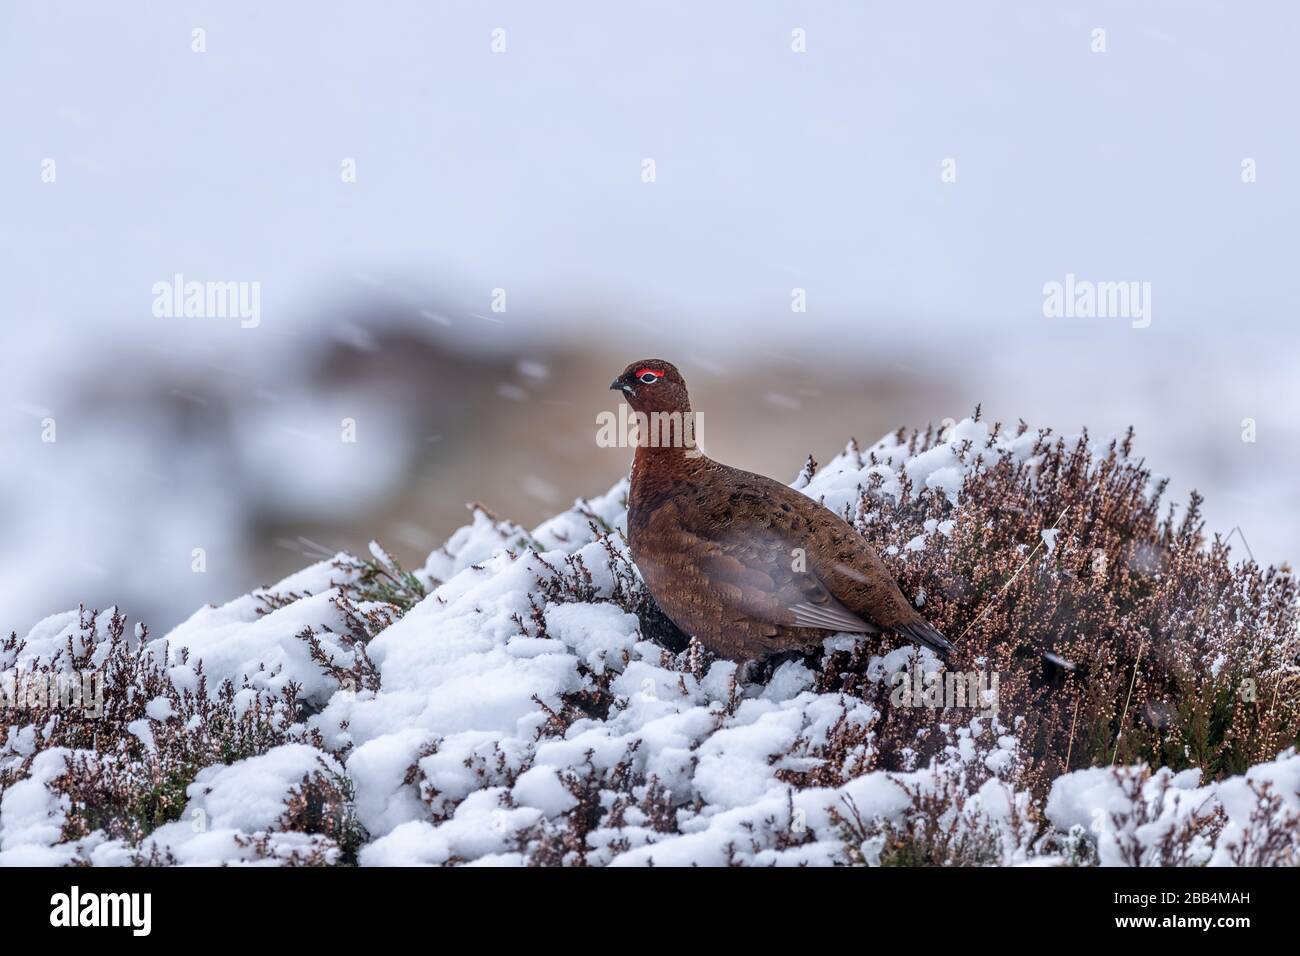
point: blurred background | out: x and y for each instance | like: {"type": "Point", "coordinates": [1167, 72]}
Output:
{"type": "Point", "coordinates": [521, 169]}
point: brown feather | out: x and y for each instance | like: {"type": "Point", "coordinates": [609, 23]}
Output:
{"type": "Point", "coordinates": [717, 549]}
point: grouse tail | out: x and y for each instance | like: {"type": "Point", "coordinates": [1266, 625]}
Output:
{"type": "Point", "coordinates": [922, 633]}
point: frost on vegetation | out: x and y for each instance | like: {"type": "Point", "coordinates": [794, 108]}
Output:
{"type": "Point", "coordinates": [519, 699]}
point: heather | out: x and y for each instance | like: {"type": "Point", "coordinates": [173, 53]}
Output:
{"type": "Point", "coordinates": [519, 699]}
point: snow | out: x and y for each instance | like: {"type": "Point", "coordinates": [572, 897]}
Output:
{"type": "Point", "coordinates": [1101, 801]}
{"type": "Point", "coordinates": [236, 643]}
{"type": "Point", "coordinates": [595, 632]}
{"type": "Point", "coordinates": [1239, 799]}
{"type": "Point", "coordinates": [481, 827]}
{"type": "Point", "coordinates": [541, 787]}
{"type": "Point", "coordinates": [31, 816]}
{"type": "Point", "coordinates": [142, 730]}
{"type": "Point", "coordinates": [451, 760]}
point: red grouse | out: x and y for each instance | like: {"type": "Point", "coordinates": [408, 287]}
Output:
{"type": "Point", "coordinates": [746, 565]}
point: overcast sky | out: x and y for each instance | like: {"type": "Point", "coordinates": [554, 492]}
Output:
{"type": "Point", "coordinates": [522, 170]}
{"type": "Point", "coordinates": [774, 170]}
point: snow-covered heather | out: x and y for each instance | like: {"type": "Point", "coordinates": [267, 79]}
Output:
{"type": "Point", "coordinates": [473, 749]}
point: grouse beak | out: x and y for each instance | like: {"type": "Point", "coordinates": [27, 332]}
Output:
{"type": "Point", "coordinates": [618, 385]}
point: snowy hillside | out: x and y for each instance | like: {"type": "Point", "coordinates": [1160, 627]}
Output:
{"type": "Point", "coordinates": [517, 700]}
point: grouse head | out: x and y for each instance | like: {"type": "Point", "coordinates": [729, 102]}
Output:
{"type": "Point", "coordinates": [653, 385]}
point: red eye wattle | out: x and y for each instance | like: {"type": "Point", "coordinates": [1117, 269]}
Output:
{"type": "Point", "coordinates": [648, 375]}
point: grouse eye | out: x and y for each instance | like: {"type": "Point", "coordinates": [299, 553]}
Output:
{"type": "Point", "coordinates": [649, 377]}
